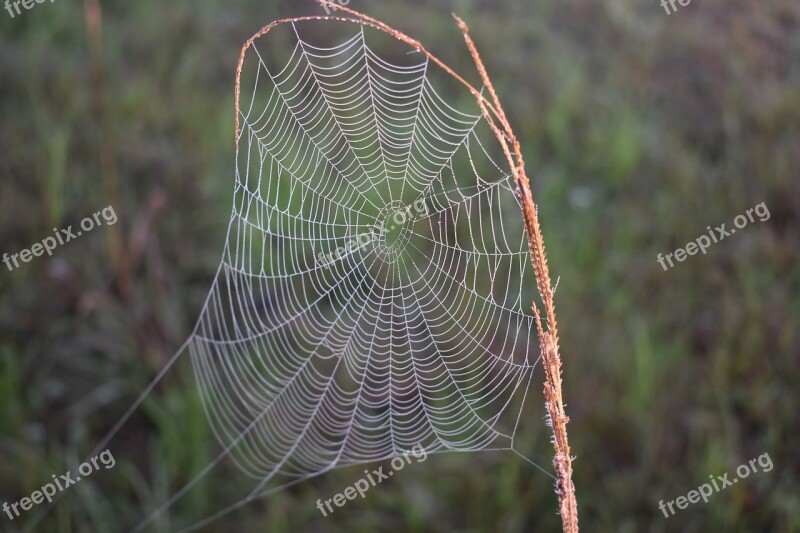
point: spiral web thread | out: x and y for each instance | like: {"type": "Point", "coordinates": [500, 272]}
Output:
{"type": "Point", "coordinates": [370, 296]}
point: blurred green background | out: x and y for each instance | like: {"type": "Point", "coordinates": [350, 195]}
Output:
{"type": "Point", "coordinates": [639, 130]}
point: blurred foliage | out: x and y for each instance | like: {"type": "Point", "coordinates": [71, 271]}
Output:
{"type": "Point", "coordinates": [639, 130]}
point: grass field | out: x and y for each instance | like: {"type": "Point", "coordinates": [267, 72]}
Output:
{"type": "Point", "coordinates": [639, 129]}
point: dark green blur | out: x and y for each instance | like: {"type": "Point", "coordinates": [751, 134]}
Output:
{"type": "Point", "coordinates": [639, 129]}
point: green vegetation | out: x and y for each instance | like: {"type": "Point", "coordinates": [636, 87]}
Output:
{"type": "Point", "coordinates": [639, 130]}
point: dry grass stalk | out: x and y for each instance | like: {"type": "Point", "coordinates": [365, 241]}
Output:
{"type": "Point", "coordinates": [116, 240]}
{"type": "Point", "coordinates": [548, 338]}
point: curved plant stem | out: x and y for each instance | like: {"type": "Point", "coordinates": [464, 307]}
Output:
{"type": "Point", "coordinates": [548, 339]}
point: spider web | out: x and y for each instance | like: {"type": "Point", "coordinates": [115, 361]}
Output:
{"type": "Point", "coordinates": [371, 293]}
{"type": "Point", "coordinates": [416, 337]}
